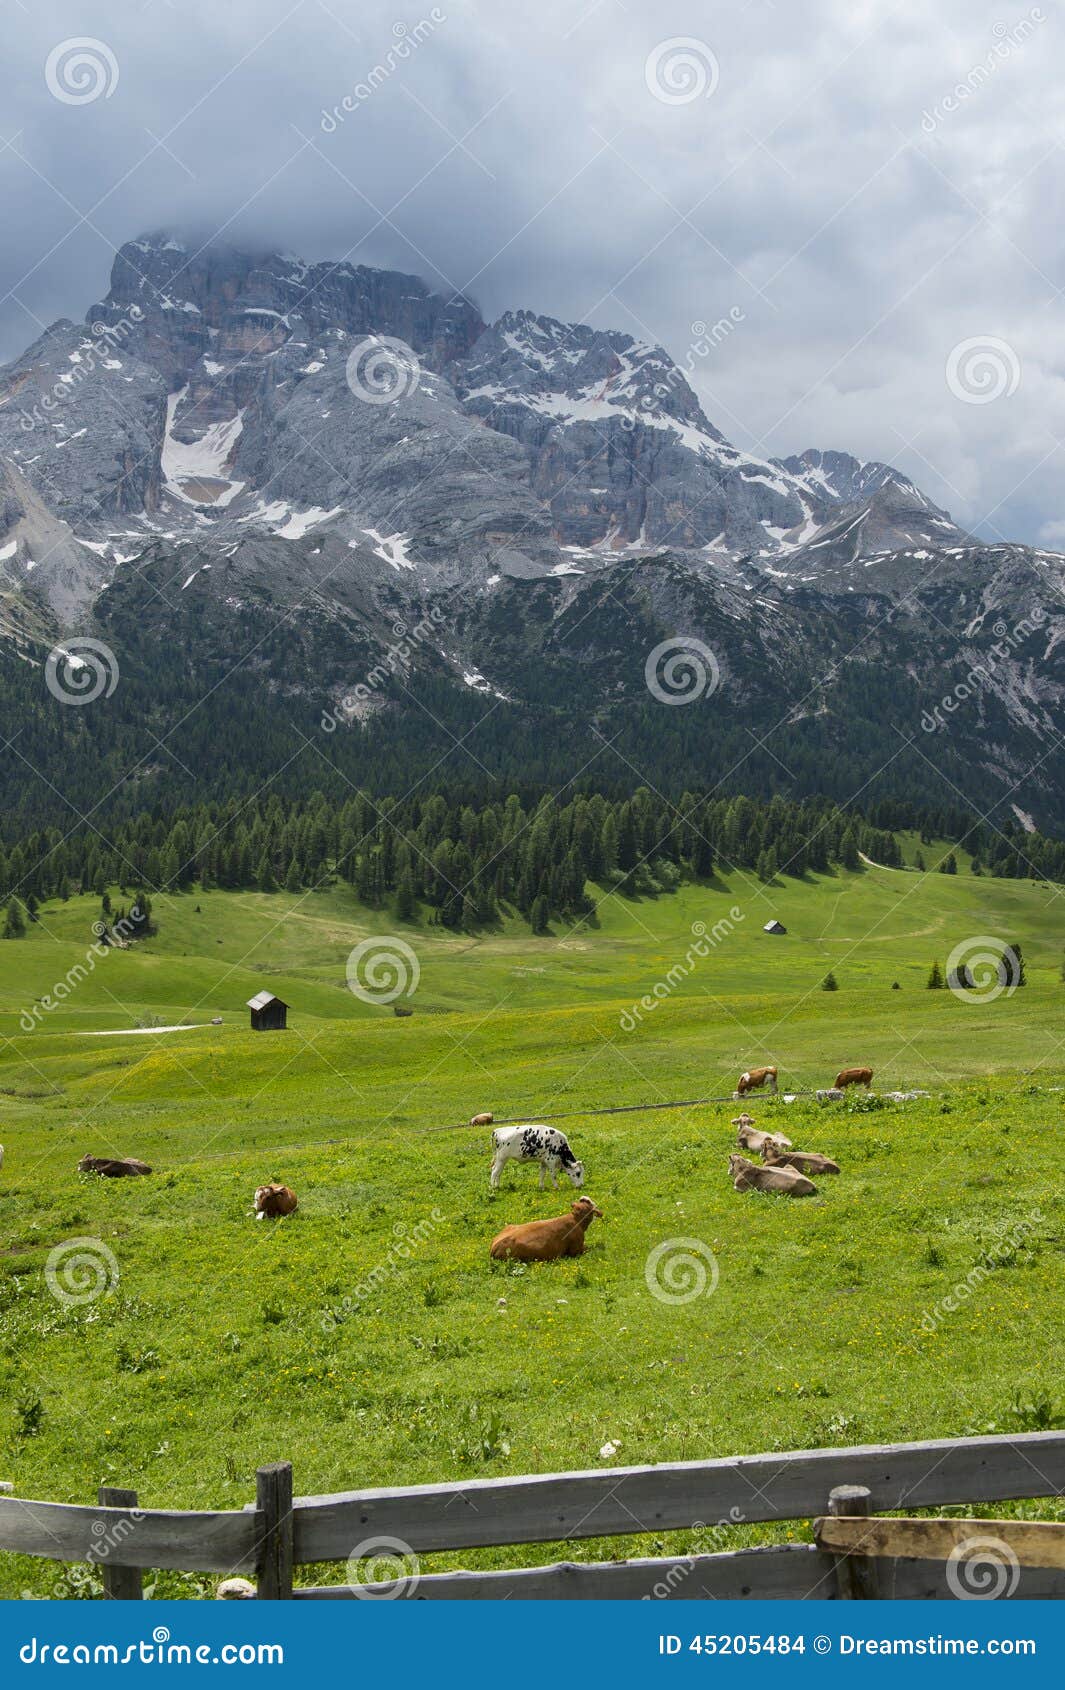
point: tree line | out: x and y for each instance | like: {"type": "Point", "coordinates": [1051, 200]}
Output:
{"type": "Point", "coordinates": [465, 862]}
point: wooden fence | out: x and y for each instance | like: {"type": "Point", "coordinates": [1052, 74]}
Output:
{"type": "Point", "coordinates": [266, 1540]}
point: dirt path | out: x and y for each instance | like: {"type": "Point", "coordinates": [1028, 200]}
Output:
{"type": "Point", "coordinates": [142, 1032]}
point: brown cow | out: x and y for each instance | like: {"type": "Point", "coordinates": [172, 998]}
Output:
{"type": "Point", "coordinates": [807, 1161]}
{"type": "Point", "coordinates": [755, 1078]}
{"type": "Point", "coordinates": [274, 1200]}
{"type": "Point", "coordinates": [853, 1077]}
{"type": "Point", "coordinates": [750, 1137]}
{"type": "Point", "coordinates": [481, 1120]}
{"type": "Point", "coordinates": [112, 1167]}
{"type": "Point", "coordinates": [545, 1241]}
{"type": "Point", "coordinates": [747, 1176]}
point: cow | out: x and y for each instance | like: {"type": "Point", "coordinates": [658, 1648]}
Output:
{"type": "Point", "coordinates": [112, 1167]}
{"type": "Point", "coordinates": [806, 1161]}
{"type": "Point", "coordinates": [853, 1077]}
{"type": "Point", "coordinates": [747, 1176]}
{"type": "Point", "coordinates": [749, 1137]}
{"type": "Point", "coordinates": [754, 1079]}
{"type": "Point", "coordinates": [481, 1120]}
{"type": "Point", "coordinates": [533, 1142]}
{"type": "Point", "coordinates": [831, 1094]}
{"type": "Point", "coordinates": [274, 1200]}
{"type": "Point", "coordinates": [545, 1241]}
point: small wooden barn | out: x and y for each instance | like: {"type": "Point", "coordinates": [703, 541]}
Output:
{"type": "Point", "coordinates": [269, 1014]}
{"type": "Point", "coordinates": [774, 927]}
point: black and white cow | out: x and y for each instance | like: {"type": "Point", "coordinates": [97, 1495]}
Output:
{"type": "Point", "coordinates": [535, 1143]}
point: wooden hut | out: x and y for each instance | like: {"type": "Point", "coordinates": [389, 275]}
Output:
{"type": "Point", "coordinates": [269, 1014]}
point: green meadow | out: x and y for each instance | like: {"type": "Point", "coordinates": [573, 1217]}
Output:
{"type": "Point", "coordinates": [369, 1340]}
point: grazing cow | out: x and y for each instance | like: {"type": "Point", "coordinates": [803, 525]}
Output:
{"type": "Point", "coordinates": [535, 1143]}
{"type": "Point", "coordinates": [274, 1200]}
{"type": "Point", "coordinates": [112, 1167]}
{"type": "Point", "coordinates": [807, 1161]}
{"type": "Point", "coordinates": [749, 1137]}
{"type": "Point", "coordinates": [481, 1120]}
{"type": "Point", "coordinates": [747, 1176]}
{"type": "Point", "coordinates": [545, 1241]}
{"type": "Point", "coordinates": [754, 1079]}
{"type": "Point", "coordinates": [853, 1077]}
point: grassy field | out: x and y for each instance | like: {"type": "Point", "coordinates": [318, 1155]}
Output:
{"type": "Point", "coordinates": [370, 1341]}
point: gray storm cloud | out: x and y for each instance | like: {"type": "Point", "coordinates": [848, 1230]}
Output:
{"type": "Point", "coordinates": [859, 187]}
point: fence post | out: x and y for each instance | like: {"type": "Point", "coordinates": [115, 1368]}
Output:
{"type": "Point", "coordinates": [121, 1584]}
{"type": "Point", "coordinates": [857, 1576]}
{"type": "Point", "coordinates": [273, 1500]}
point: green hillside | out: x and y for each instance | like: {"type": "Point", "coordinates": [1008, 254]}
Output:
{"type": "Point", "coordinates": [222, 1344]}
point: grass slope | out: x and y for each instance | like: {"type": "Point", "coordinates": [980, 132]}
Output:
{"type": "Point", "coordinates": [369, 1340]}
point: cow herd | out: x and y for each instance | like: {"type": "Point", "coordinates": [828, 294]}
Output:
{"type": "Point", "coordinates": [754, 1079]}
{"type": "Point", "coordinates": [782, 1169]}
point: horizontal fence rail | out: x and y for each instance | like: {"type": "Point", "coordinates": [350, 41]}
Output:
{"type": "Point", "coordinates": [278, 1532]}
{"type": "Point", "coordinates": [618, 1501]}
{"type": "Point", "coordinates": [201, 1543]}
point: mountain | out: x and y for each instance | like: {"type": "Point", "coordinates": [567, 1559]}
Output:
{"type": "Point", "coordinates": [392, 518]}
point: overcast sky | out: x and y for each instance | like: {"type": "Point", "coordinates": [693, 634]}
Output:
{"type": "Point", "coordinates": [807, 166]}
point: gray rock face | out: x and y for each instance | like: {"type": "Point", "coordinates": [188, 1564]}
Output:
{"type": "Point", "coordinates": [618, 443]}
{"type": "Point", "coordinates": [218, 390]}
{"type": "Point", "coordinates": [216, 439]}
{"type": "Point", "coordinates": [81, 415]}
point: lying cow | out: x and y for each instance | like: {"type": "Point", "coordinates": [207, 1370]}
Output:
{"type": "Point", "coordinates": [112, 1167]}
{"type": "Point", "coordinates": [754, 1079]}
{"type": "Point", "coordinates": [853, 1077]}
{"type": "Point", "coordinates": [749, 1137]}
{"type": "Point", "coordinates": [535, 1143]}
{"type": "Point", "coordinates": [830, 1094]}
{"type": "Point", "coordinates": [747, 1176]}
{"type": "Point", "coordinates": [545, 1241]}
{"type": "Point", "coordinates": [274, 1200]}
{"type": "Point", "coordinates": [807, 1161]}
{"type": "Point", "coordinates": [481, 1120]}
